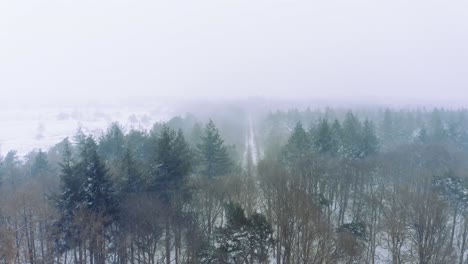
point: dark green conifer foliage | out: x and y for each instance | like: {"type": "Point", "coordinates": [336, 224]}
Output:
{"type": "Point", "coordinates": [370, 142]}
{"type": "Point", "coordinates": [68, 200]}
{"type": "Point", "coordinates": [181, 154]}
{"type": "Point", "coordinates": [11, 161]}
{"type": "Point", "coordinates": [438, 131]}
{"type": "Point", "coordinates": [40, 166]}
{"type": "Point", "coordinates": [84, 186]}
{"type": "Point", "coordinates": [337, 135]}
{"type": "Point", "coordinates": [387, 128]}
{"type": "Point", "coordinates": [196, 135]}
{"type": "Point", "coordinates": [261, 238]}
{"type": "Point", "coordinates": [98, 189]}
{"type": "Point", "coordinates": [112, 144]}
{"type": "Point", "coordinates": [142, 146]}
{"type": "Point", "coordinates": [70, 184]}
{"type": "Point", "coordinates": [351, 139]}
{"type": "Point", "coordinates": [323, 139]}
{"type": "Point", "coordinates": [11, 169]}
{"type": "Point", "coordinates": [132, 181]}
{"type": "Point", "coordinates": [2, 170]}
{"type": "Point", "coordinates": [79, 140]}
{"type": "Point", "coordinates": [172, 163]}
{"type": "Point", "coordinates": [243, 239]}
{"type": "Point", "coordinates": [213, 156]}
{"type": "Point", "coordinates": [235, 216]}
{"type": "Point", "coordinates": [298, 148]}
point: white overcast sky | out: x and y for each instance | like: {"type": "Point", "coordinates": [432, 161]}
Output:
{"type": "Point", "coordinates": [74, 50]}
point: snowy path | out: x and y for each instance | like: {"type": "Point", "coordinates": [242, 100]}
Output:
{"type": "Point", "coordinates": [251, 147]}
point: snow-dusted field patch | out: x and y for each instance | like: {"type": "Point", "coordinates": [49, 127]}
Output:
{"type": "Point", "coordinates": [25, 129]}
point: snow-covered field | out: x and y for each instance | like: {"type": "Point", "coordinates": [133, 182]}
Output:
{"type": "Point", "coordinates": [25, 129]}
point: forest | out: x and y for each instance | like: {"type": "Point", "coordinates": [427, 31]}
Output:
{"type": "Point", "coordinates": [298, 186]}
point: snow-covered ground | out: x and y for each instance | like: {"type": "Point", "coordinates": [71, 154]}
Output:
{"type": "Point", "coordinates": [25, 129]}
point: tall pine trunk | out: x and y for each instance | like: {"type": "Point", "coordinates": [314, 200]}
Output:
{"type": "Point", "coordinates": [168, 242]}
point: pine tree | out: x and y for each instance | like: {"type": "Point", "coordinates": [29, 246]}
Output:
{"type": "Point", "coordinates": [298, 147]}
{"type": "Point", "coordinates": [68, 201]}
{"type": "Point", "coordinates": [169, 171]}
{"type": "Point", "coordinates": [351, 139]}
{"type": "Point", "coordinates": [172, 162]}
{"type": "Point", "coordinates": [98, 189]}
{"type": "Point", "coordinates": [212, 153]}
{"type": "Point", "coordinates": [183, 154]}
{"type": "Point", "coordinates": [11, 160]}
{"type": "Point", "coordinates": [70, 184]}
{"type": "Point", "coordinates": [337, 136]}
{"type": "Point", "coordinates": [323, 138]}
{"type": "Point", "coordinates": [112, 144]}
{"type": "Point", "coordinates": [86, 190]}
{"type": "Point", "coordinates": [40, 166]}
{"type": "Point", "coordinates": [98, 203]}
{"type": "Point", "coordinates": [387, 128]}
{"type": "Point", "coordinates": [437, 127]}
{"type": "Point", "coordinates": [131, 181]}
{"type": "Point", "coordinates": [261, 237]}
{"type": "Point", "coordinates": [2, 170]}
{"type": "Point", "coordinates": [11, 169]}
{"type": "Point", "coordinates": [79, 140]}
{"type": "Point", "coordinates": [243, 239]}
{"type": "Point", "coordinates": [142, 146]}
{"type": "Point", "coordinates": [370, 142]}
{"type": "Point", "coordinates": [196, 135]}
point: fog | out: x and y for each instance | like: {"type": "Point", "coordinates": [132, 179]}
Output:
{"type": "Point", "coordinates": [109, 51]}
{"type": "Point", "coordinates": [233, 131]}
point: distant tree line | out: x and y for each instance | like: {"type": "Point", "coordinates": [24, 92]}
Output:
{"type": "Point", "coordinates": [333, 186]}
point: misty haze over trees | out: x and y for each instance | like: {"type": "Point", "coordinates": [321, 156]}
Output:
{"type": "Point", "coordinates": [233, 132]}
{"type": "Point", "coordinates": [325, 185]}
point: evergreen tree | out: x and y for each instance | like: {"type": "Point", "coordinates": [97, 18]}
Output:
{"type": "Point", "coordinates": [79, 140]}
{"type": "Point", "coordinates": [142, 146]}
{"type": "Point", "coordinates": [172, 163]}
{"type": "Point", "coordinates": [68, 201]}
{"type": "Point", "coordinates": [183, 153]}
{"type": "Point", "coordinates": [98, 189]}
{"type": "Point", "coordinates": [131, 181]}
{"type": "Point", "coordinates": [437, 127]}
{"type": "Point", "coordinates": [323, 138]}
{"type": "Point", "coordinates": [297, 150]}
{"type": "Point", "coordinates": [243, 239]}
{"type": "Point", "coordinates": [112, 144]}
{"type": "Point", "coordinates": [40, 166]}
{"type": "Point", "coordinates": [351, 137]}
{"type": "Point", "coordinates": [370, 142]}
{"type": "Point", "coordinates": [11, 160]}
{"type": "Point", "coordinates": [337, 136]}
{"type": "Point", "coordinates": [196, 135]}
{"type": "Point", "coordinates": [261, 237]}
{"type": "Point", "coordinates": [169, 171]}
{"type": "Point", "coordinates": [70, 183]}
{"type": "Point", "coordinates": [387, 128]}
{"type": "Point", "coordinates": [85, 188]}
{"type": "Point", "coordinates": [98, 206]}
{"type": "Point", "coordinates": [11, 169]}
{"type": "Point", "coordinates": [212, 154]}
{"type": "Point", "coordinates": [2, 170]}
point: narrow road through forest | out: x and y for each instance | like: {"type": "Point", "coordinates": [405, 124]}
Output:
{"type": "Point", "coordinates": [251, 153]}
